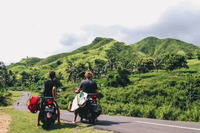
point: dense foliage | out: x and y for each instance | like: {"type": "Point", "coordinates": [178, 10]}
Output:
{"type": "Point", "coordinates": [5, 80]}
{"type": "Point", "coordinates": [118, 78]}
{"type": "Point", "coordinates": [155, 78]}
{"type": "Point", "coordinates": [198, 55]}
{"type": "Point", "coordinates": [171, 99]}
{"type": "Point", "coordinates": [174, 61]}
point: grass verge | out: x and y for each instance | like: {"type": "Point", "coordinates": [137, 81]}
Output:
{"type": "Point", "coordinates": [23, 122]}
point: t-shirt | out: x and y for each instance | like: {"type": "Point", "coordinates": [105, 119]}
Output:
{"type": "Point", "coordinates": [49, 84]}
{"type": "Point", "coordinates": [88, 86]}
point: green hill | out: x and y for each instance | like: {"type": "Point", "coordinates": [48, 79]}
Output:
{"type": "Point", "coordinates": [150, 46]}
{"type": "Point", "coordinates": [98, 42]}
{"type": "Point", "coordinates": [153, 46]}
{"type": "Point", "coordinates": [138, 89]}
{"type": "Point", "coordinates": [89, 53]}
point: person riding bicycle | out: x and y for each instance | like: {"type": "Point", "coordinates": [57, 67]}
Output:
{"type": "Point", "coordinates": [50, 91]}
{"type": "Point", "coordinates": [88, 86]}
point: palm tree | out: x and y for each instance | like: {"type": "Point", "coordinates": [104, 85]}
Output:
{"type": "Point", "coordinates": [81, 68]}
{"type": "Point", "coordinates": [71, 70]}
{"type": "Point", "coordinates": [158, 63]}
{"type": "Point", "coordinates": [2, 68]}
{"type": "Point", "coordinates": [139, 66]}
{"type": "Point", "coordinates": [99, 67]}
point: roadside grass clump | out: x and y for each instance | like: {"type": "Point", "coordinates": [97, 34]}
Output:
{"type": "Point", "coordinates": [4, 98]}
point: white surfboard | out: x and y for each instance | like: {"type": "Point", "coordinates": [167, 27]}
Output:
{"type": "Point", "coordinates": [79, 101]}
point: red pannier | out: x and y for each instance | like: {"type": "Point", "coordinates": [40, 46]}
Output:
{"type": "Point", "coordinates": [34, 104]}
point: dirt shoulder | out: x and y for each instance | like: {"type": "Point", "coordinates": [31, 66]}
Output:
{"type": "Point", "coordinates": [5, 121]}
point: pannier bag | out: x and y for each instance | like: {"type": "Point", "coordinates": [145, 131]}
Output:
{"type": "Point", "coordinates": [34, 104]}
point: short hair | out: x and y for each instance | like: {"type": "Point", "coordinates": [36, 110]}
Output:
{"type": "Point", "coordinates": [52, 74]}
{"type": "Point", "coordinates": [88, 74]}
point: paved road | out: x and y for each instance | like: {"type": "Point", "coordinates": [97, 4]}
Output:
{"type": "Point", "coordinates": [126, 124]}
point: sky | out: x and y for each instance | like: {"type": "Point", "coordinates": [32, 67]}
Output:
{"type": "Point", "coordinates": [41, 28]}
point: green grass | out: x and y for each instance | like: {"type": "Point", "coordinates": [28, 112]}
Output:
{"type": "Point", "coordinates": [15, 96]}
{"type": "Point", "coordinates": [23, 122]}
{"type": "Point", "coordinates": [35, 93]}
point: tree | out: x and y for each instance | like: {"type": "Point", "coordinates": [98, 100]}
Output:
{"type": "Point", "coordinates": [2, 68]}
{"type": "Point", "coordinates": [71, 71]}
{"type": "Point", "coordinates": [25, 77]}
{"type": "Point", "coordinates": [148, 64]}
{"type": "Point", "coordinates": [7, 78]}
{"type": "Point", "coordinates": [12, 78]}
{"type": "Point", "coordinates": [158, 64]}
{"type": "Point", "coordinates": [35, 75]}
{"type": "Point", "coordinates": [80, 71]}
{"type": "Point", "coordinates": [113, 58]}
{"type": "Point", "coordinates": [99, 67]}
{"type": "Point", "coordinates": [118, 78]}
{"type": "Point", "coordinates": [75, 70]}
{"type": "Point", "coordinates": [59, 77]}
{"type": "Point", "coordinates": [198, 55]}
{"type": "Point", "coordinates": [127, 57]}
{"type": "Point", "coordinates": [174, 61]}
{"type": "Point", "coordinates": [138, 66]}
{"type": "Point", "coordinates": [189, 55]}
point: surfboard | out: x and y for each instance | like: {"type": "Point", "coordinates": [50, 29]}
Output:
{"type": "Point", "coordinates": [79, 101]}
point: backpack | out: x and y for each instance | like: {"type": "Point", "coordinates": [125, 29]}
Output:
{"type": "Point", "coordinates": [34, 104]}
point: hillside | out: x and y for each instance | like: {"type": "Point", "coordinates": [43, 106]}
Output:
{"type": "Point", "coordinates": [150, 46]}
{"type": "Point", "coordinates": [153, 46]}
{"type": "Point", "coordinates": [129, 83]}
{"type": "Point", "coordinates": [89, 53]}
{"type": "Point", "coordinates": [98, 42]}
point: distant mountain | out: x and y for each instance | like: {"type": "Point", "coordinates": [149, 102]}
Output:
{"type": "Point", "coordinates": [150, 46]}
{"type": "Point", "coordinates": [98, 42]}
{"type": "Point", "coordinates": [153, 46]}
{"type": "Point", "coordinates": [96, 50]}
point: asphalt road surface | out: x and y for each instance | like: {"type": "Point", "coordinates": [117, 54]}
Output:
{"type": "Point", "coordinates": [125, 124]}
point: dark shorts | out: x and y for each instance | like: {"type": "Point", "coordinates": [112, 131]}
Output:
{"type": "Point", "coordinates": [56, 104]}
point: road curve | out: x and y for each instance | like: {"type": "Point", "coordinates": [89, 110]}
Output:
{"type": "Point", "coordinates": [125, 124]}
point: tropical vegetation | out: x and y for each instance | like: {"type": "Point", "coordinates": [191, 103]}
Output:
{"type": "Point", "coordinates": [154, 78]}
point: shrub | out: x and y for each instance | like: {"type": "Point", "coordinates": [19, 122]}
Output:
{"type": "Point", "coordinates": [4, 98]}
{"type": "Point", "coordinates": [198, 55]}
{"type": "Point", "coordinates": [118, 78]}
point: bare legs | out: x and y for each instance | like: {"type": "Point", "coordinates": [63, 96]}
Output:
{"type": "Point", "coordinates": [58, 113]}
{"type": "Point", "coordinates": [75, 116]}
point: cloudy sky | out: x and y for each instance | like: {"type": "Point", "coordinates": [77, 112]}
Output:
{"type": "Point", "coordinates": [40, 28]}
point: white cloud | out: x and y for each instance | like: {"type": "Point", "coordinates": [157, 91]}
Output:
{"type": "Point", "coordinates": [41, 28]}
